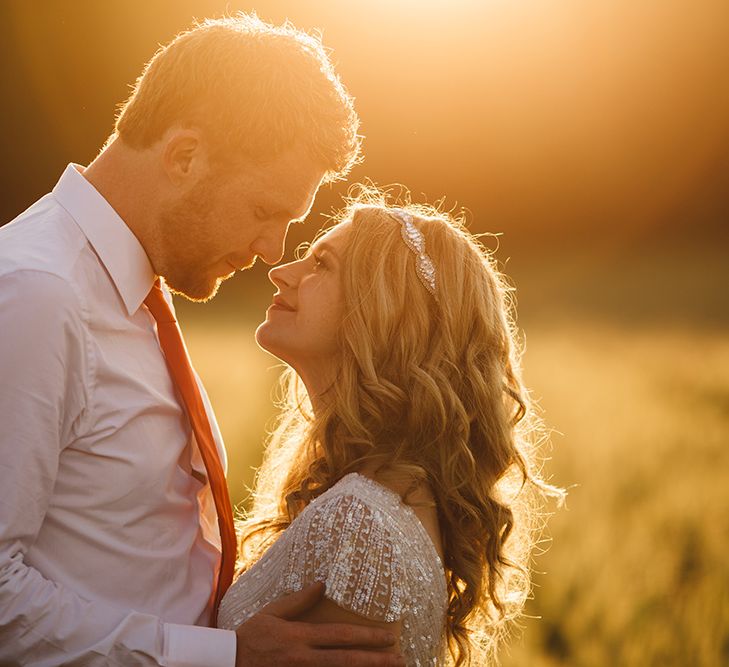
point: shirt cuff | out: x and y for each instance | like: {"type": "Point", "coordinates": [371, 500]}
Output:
{"type": "Point", "coordinates": [196, 646]}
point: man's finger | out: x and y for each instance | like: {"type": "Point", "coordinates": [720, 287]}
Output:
{"type": "Point", "coordinates": [341, 634]}
{"type": "Point", "coordinates": [290, 606]}
{"type": "Point", "coordinates": [332, 658]}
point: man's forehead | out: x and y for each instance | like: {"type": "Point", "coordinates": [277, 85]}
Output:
{"type": "Point", "coordinates": [292, 169]}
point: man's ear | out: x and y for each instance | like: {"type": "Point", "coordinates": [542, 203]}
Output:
{"type": "Point", "coordinates": [184, 158]}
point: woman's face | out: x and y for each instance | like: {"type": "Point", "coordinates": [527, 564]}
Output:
{"type": "Point", "coordinates": [302, 323]}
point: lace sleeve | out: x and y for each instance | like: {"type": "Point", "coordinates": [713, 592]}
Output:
{"type": "Point", "coordinates": [346, 543]}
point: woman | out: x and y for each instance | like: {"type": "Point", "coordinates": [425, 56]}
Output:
{"type": "Point", "coordinates": [401, 472]}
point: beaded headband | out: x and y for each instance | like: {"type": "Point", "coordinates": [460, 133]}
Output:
{"type": "Point", "coordinates": [414, 240]}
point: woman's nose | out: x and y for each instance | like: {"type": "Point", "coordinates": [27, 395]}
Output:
{"type": "Point", "coordinates": [282, 275]}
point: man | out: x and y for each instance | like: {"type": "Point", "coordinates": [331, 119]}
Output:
{"type": "Point", "coordinates": [113, 509]}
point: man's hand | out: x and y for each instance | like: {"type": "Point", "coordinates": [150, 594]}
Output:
{"type": "Point", "coordinates": [272, 639]}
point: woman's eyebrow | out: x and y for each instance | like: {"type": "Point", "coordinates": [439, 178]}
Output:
{"type": "Point", "coordinates": [323, 246]}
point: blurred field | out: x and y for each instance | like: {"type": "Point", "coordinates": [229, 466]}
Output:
{"type": "Point", "coordinates": [637, 573]}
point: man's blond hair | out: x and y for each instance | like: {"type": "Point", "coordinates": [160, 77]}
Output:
{"type": "Point", "coordinates": [253, 88]}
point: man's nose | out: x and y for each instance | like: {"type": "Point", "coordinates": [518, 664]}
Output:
{"type": "Point", "coordinates": [271, 256]}
{"type": "Point", "coordinates": [271, 247]}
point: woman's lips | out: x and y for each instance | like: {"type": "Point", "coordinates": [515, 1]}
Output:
{"type": "Point", "coordinates": [280, 304]}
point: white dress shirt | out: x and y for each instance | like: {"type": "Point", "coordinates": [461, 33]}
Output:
{"type": "Point", "coordinates": [109, 544]}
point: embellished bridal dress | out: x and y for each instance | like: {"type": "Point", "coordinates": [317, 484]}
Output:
{"type": "Point", "coordinates": [375, 557]}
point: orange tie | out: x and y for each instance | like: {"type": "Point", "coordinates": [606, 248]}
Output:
{"type": "Point", "coordinates": [178, 363]}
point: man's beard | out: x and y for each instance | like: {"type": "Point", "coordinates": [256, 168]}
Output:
{"type": "Point", "coordinates": [197, 290]}
{"type": "Point", "coordinates": [183, 245]}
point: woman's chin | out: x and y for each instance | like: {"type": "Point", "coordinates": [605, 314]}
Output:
{"type": "Point", "coordinates": [262, 335]}
{"type": "Point", "coordinates": [269, 342]}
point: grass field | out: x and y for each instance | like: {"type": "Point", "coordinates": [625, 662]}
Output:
{"type": "Point", "coordinates": [637, 569]}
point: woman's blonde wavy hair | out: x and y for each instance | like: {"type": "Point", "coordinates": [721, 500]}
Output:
{"type": "Point", "coordinates": [429, 387]}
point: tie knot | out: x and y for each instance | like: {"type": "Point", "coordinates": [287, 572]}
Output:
{"type": "Point", "coordinates": [158, 305]}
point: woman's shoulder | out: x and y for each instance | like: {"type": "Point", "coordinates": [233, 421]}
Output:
{"type": "Point", "coordinates": [360, 494]}
{"type": "Point", "coordinates": [363, 489]}
{"type": "Point", "coordinates": [368, 547]}
{"type": "Point", "coordinates": [359, 504]}
{"type": "Point", "coordinates": [353, 503]}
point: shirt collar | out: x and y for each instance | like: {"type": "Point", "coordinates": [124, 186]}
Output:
{"type": "Point", "coordinates": [115, 244]}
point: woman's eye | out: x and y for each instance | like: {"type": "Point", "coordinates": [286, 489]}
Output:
{"type": "Point", "coordinates": [317, 261]}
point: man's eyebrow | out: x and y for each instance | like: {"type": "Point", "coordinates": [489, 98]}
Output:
{"type": "Point", "coordinates": [282, 211]}
{"type": "Point", "coordinates": [291, 218]}
{"type": "Point", "coordinates": [285, 213]}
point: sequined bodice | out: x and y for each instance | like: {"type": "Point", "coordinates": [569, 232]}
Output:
{"type": "Point", "coordinates": [374, 555]}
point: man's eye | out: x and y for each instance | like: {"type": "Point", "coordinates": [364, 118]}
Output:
{"type": "Point", "coordinates": [260, 213]}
